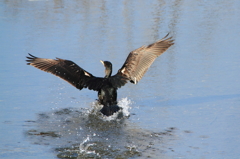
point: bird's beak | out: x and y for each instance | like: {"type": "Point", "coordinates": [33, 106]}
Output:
{"type": "Point", "coordinates": [102, 62]}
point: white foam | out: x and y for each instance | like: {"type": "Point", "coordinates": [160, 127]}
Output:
{"type": "Point", "coordinates": [124, 103]}
{"type": "Point", "coordinates": [83, 147]}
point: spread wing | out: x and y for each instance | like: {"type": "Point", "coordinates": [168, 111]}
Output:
{"type": "Point", "coordinates": [139, 60]}
{"type": "Point", "coordinates": [68, 71]}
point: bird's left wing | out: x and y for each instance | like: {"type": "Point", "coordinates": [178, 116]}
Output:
{"type": "Point", "coordinates": [68, 71]}
{"type": "Point", "coordinates": [139, 60]}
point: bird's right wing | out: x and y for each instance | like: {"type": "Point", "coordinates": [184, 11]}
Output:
{"type": "Point", "coordinates": [68, 71]}
{"type": "Point", "coordinates": [139, 60]}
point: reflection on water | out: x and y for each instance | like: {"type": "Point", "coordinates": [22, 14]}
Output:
{"type": "Point", "coordinates": [79, 133]}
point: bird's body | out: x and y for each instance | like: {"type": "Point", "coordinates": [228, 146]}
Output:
{"type": "Point", "coordinates": [135, 66]}
{"type": "Point", "coordinates": [107, 96]}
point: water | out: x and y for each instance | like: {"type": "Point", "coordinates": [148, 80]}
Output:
{"type": "Point", "coordinates": [186, 106]}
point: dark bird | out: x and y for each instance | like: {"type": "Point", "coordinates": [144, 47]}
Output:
{"type": "Point", "coordinates": [135, 66]}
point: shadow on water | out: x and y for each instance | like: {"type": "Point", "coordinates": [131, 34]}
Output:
{"type": "Point", "coordinates": [80, 133]}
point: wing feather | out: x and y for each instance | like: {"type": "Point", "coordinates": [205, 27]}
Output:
{"type": "Point", "coordinates": [135, 66]}
{"type": "Point", "coordinates": [68, 71]}
{"type": "Point", "coordinates": [139, 60]}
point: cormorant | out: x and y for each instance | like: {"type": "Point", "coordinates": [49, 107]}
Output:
{"type": "Point", "coordinates": [135, 66]}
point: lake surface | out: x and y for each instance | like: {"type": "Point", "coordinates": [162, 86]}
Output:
{"type": "Point", "coordinates": [186, 106]}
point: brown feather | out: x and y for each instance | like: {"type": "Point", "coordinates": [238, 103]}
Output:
{"type": "Point", "coordinates": [139, 60]}
{"type": "Point", "coordinates": [68, 71]}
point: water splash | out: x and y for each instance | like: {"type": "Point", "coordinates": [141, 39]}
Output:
{"type": "Point", "coordinates": [83, 147]}
{"type": "Point", "coordinates": [76, 134]}
{"type": "Point", "coordinates": [124, 103]}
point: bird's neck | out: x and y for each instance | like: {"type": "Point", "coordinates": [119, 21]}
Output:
{"type": "Point", "coordinates": [108, 72]}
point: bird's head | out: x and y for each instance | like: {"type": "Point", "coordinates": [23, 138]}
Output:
{"type": "Point", "coordinates": [108, 68]}
{"type": "Point", "coordinates": [106, 63]}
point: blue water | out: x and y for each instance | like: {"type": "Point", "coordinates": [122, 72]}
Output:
{"type": "Point", "coordinates": [186, 106]}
